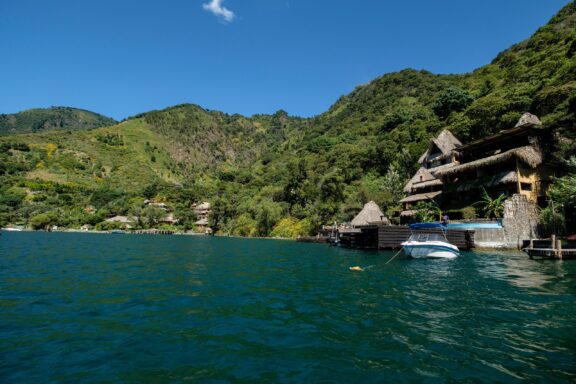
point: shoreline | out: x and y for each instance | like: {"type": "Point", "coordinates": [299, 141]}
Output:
{"type": "Point", "coordinates": [481, 246]}
{"type": "Point", "coordinates": [128, 232]}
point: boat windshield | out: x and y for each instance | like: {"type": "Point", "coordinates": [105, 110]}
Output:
{"type": "Point", "coordinates": [426, 237]}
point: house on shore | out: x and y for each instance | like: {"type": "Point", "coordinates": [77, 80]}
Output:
{"type": "Point", "coordinates": [169, 219]}
{"type": "Point", "coordinates": [512, 162]}
{"type": "Point", "coordinates": [424, 185]}
{"type": "Point", "coordinates": [202, 212]}
{"type": "Point", "coordinates": [125, 222]}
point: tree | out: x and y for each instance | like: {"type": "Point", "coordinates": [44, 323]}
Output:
{"type": "Point", "coordinates": [427, 211]}
{"type": "Point", "coordinates": [44, 220]}
{"type": "Point", "coordinates": [152, 215]}
{"type": "Point", "coordinates": [219, 213]}
{"type": "Point", "coordinates": [563, 195]}
{"type": "Point", "coordinates": [452, 100]}
{"type": "Point", "coordinates": [268, 214]}
{"type": "Point", "coordinates": [552, 220]}
{"type": "Point", "coordinates": [332, 186]}
{"type": "Point", "coordinates": [293, 192]}
{"type": "Point", "coordinates": [12, 197]}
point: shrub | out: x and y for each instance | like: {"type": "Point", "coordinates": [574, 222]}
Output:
{"type": "Point", "coordinates": [469, 213]}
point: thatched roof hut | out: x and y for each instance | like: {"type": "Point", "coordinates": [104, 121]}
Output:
{"type": "Point", "coordinates": [371, 213]}
{"type": "Point", "coordinates": [446, 142]}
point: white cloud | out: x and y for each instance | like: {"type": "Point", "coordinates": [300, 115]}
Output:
{"type": "Point", "coordinates": [215, 6]}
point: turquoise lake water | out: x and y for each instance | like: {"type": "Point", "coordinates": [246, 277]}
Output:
{"type": "Point", "coordinates": [169, 309]}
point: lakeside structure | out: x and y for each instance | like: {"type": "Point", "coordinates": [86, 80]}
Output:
{"type": "Point", "coordinates": [511, 162]}
{"type": "Point", "coordinates": [455, 175]}
{"type": "Point", "coordinates": [371, 229]}
{"type": "Point", "coordinates": [424, 185]}
{"type": "Point", "coordinates": [202, 212]}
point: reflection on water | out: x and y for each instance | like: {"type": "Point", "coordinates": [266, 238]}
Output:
{"type": "Point", "coordinates": [518, 269]}
{"type": "Point", "coordinates": [85, 307]}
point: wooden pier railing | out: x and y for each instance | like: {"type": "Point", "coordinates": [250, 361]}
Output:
{"type": "Point", "coordinates": [549, 249]}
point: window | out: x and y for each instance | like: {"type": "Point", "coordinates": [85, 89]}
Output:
{"type": "Point", "coordinates": [526, 186]}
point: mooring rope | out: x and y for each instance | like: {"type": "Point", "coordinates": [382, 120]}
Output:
{"type": "Point", "coordinates": [360, 269]}
{"type": "Point", "coordinates": [393, 257]}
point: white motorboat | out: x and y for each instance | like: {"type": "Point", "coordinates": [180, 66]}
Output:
{"type": "Point", "coordinates": [429, 245]}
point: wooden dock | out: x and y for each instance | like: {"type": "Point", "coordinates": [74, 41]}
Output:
{"type": "Point", "coordinates": [365, 237]}
{"type": "Point", "coordinates": [152, 232]}
{"type": "Point", "coordinates": [552, 249]}
{"type": "Point", "coordinates": [391, 236]}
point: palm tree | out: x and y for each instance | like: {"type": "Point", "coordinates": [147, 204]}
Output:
{"type": "Point", "coordinates": [492, 207]}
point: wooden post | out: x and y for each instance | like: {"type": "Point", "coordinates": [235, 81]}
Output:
{"type": "Point", "coordinates": [559, 248]}
{"type": "Point", "coordinates": [554, 245]}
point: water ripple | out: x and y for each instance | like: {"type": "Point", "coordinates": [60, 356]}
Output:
{"type": "Point", "coordinates": [97, 308]}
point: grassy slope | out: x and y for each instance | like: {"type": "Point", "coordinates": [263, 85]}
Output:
{"type": "Point", "coordinates": [80, 158]}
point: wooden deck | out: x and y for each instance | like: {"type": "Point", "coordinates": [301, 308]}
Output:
{"type": "Point", "coordinates": [391, 236]}
{"type": "Point", "coordinates": [550, 253]}
{"type": "Point", "coordinates": [550, 249]}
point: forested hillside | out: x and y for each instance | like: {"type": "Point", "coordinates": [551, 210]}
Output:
{"type": "Point", "coordinates": [283, 175]}
{"type": "Point", "coordinates": [55, 118]}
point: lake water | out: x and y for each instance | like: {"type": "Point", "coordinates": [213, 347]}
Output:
{"type": "Point", "coordinates": [168, 309]}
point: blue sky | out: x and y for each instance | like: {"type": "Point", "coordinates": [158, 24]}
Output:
{"type": "Point", "coordinates": [123, 57]}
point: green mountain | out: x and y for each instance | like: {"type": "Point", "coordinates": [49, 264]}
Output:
{"type": "Point", "coordinates": [283, 175]}
{"type": "Point", "coordinates": [44, 119]}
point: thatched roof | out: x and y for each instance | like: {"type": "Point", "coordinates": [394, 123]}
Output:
{"type": "Point", "coordinates": [445, 142]}
{"type": "Point", "coordinates": [205, 206]}
{"type": "Point", "coordinates": [527, 125]}
{"type": "Point", "coordinates": [420, 197]}
{"type": "Point", "coordinates": [509, 177]}
{"type": "Point", "coordinates": [429, 183]}
{"type": "Point", "coordinates": [371, 213]}
{"type": "Point", "coordinates": [120, 219]}
{"type": "Point", "coordinates": [527, 154]}
{"type": "Point", "coordinates": [528, 119]}
{"type": "Point", "coordinates": [422, 175]}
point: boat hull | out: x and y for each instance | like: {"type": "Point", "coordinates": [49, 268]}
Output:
{"type": "Point", "coordinates": [436, 250]}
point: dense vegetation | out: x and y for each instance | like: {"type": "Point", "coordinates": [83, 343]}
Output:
{"type": "Point", "coordinates": [44, 119]}
{"type": "Point", "coordinates": [281, 175]}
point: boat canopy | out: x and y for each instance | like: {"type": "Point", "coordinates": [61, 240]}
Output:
{"type": "Point", "coordinates": [428, 226]}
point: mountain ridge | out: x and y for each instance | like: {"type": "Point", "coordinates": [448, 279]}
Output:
{"type": "Point", "coordinates": [266, 170]}
{"type": "Point", "coordinates": [53, 118]}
